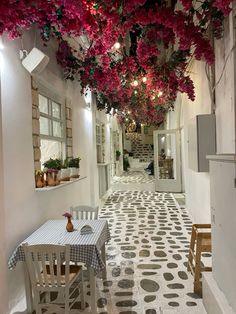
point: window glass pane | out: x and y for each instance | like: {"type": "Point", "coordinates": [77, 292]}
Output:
{"type": "Point", "coordinates": [50, 149]}
{"type": "Point", "coordinates": [56, 110]}
{"type": "Point", "coordinates": [43, 104]}
{"type": "Point", "coordinates": [44, 126]}
{"type": "Point", "coordinates": [57, 129]}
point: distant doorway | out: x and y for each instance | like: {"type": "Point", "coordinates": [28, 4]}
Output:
{"type": "Point", "coordinates": [167, 160]}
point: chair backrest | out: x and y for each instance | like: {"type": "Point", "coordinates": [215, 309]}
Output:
{"type": "Point", "coordinates": [44, 263]}
{"type": "Point", "coordinates": [84, 212]}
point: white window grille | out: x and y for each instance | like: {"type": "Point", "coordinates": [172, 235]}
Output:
{"type": "Point", "coordinates": [52, 129]}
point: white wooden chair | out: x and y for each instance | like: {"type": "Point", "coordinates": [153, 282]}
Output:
{"type": "Point", "coordinates": [50, 271]}
{"type": "Point", "coordinates": [87, 213]}
{"type": "Point", "coordinates": [84, 212]}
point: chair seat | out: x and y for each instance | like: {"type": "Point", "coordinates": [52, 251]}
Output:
{"type": "Point", "coordinates": [74, 271]}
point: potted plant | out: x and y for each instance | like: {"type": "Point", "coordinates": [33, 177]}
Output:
{"type": "Point", "coordinates": [51, 167]}
{"type": "Point", "coordinates": [118, 153]}
{"type": "Point", "coordinates": [39, 179]}
{"type": "Point", "coordinates": [65, 171]}
{"type": "Point", "coordinates": [73, 164]}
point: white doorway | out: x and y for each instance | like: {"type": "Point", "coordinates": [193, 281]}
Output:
{"type": "Point", "coordinates": [167, 160]}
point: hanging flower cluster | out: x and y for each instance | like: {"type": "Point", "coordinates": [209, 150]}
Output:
{"type": "Point", "coordinates": [147, 67]}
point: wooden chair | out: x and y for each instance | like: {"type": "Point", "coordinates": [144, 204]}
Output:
{"type": "Point", "coordinates": [200, 242]}
{"type": "Point", "coordinates": [88, 213]}
{"type": "Point", "coordinates": [50, 272]}
{"type": "Point", "coordinates": [84, 212]}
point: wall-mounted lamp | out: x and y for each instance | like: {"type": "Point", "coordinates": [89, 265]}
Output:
{"type": "Point", "coordinates": [35, 61]}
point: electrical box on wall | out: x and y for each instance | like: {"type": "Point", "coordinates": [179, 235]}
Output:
{"type": "Point", "coordinates": [201, 141]}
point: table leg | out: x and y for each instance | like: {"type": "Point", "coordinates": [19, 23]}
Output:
{"type": "Point", "coordinates": [104, 272]}
{"type": "Point", "coordinates": [93, 291]}
{"type": "Point", "coordinates": [28, 291]}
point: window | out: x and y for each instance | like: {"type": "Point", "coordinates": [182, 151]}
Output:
{"type": "Point", "coordinates": [100, 142]}
{"type": "Point", "coordinates": [52, 129]}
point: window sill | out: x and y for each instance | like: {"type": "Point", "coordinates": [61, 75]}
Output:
{"type": "Point", "coordinates": [62, 184]}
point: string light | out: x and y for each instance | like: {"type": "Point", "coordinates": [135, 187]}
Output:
{"type": "Point", "coordinates": [117, 45]}
{"type": "Point", "coordinates": [144, 79]}
{"type": "Point", "coordinates": [153, 97]}
{"type": "Point", "coordinates": [160, 94]}
{"type": "Point", "coordinates": [135, 92]}
{"type": "Point", "coordinates": [135, 83]}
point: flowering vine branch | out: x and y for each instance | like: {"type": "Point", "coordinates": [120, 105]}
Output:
{"type": "Point", "coordinates": [146, 69]}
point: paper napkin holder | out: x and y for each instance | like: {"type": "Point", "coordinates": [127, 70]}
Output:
{"type": "Point", "coordinates": [86, 229]}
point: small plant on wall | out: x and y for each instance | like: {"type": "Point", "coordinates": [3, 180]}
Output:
{"type": "Point", "coordinates": [73, 164]}
{"type": "Point", "coordinates": [55, 164]}
{"type": "Point", "coordinates": [52, 166]}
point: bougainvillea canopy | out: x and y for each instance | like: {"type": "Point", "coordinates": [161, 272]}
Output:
{"type": "Point", "coordinates": [137, 51]}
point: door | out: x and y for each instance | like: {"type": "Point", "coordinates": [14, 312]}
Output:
{"type": "Point", "coordinates": [167, 160]}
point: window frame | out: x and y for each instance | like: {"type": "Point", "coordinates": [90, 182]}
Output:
{"type": "Point", "coordinates": [62, 140]}
{"type": "Point", "coordinates": [51, 118]}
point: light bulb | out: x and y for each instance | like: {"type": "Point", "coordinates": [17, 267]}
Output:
{"type": "Point", "coordinates": [128, 112]}
{"type": "Point", "coordinates": [117, 45]}
{"type": "Point", "coordinates": [144, 79]}
{"type": "Point", "coordinates": [135, 92]}
{"type": "Point", "coordinates": [160, 94]}
{"type": "Point", "coordinates": [135, 83]}
{"type": "Point", "coordinates": [126, 119]}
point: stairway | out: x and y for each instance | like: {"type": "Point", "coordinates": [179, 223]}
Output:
{"type": "Point", "coordinates": [143, 152]}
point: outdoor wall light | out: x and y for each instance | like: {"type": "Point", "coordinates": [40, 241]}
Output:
{"type": "Point", "coordinates": [35, 61]}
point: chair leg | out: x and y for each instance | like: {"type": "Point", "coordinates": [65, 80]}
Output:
{"type": "Point", "coordinates": [197, 285]}
{"type": "Point", "coordinates": [82, 292]}
{"type": "Point", "coordinates": [36, 302]}
{"type": "Point", "coordinates": [67, 301]}
{"type": "Point", "coordinates": [191, 248]}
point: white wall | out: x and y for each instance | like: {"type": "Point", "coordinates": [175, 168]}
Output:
{"type": "Point", "coordinates": [3, 279]}
{"type": "Point", "coordinates": [25, 209]}
{"type": "Point", "coordinates": [225, 90]}
{"type": "Point", "coordinates": [223, 200]}
{"type": "Point", "coordinates": [223, 192]}
{"type": "Point", "coordinates": [197, 185]}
